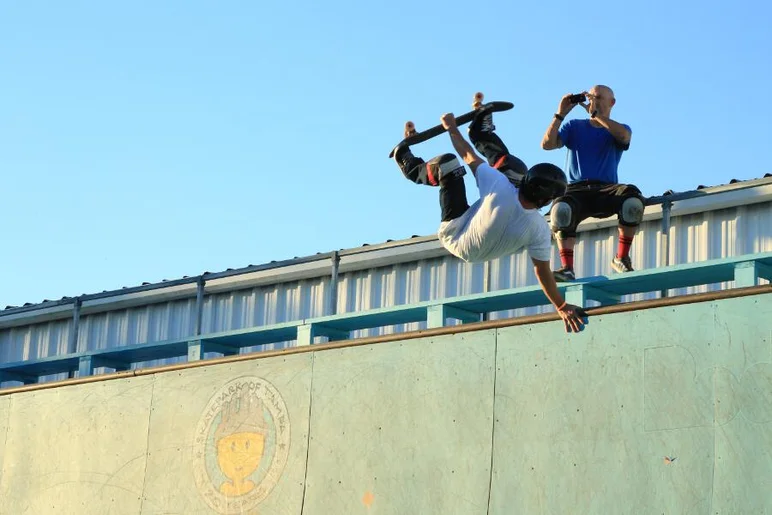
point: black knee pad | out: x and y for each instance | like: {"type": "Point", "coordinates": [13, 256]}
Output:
{"type": "Point", "coordinates": [445, 167]}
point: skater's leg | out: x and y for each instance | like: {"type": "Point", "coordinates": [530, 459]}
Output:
{"type": "Point", "coordinates": [419, 171]}
{"type": "Point", "coordinates": [564, 218]}
{"type": "Point", "coordinates": [429, 172]}
{"type": "Point", "coordinates": [444, 171]}
{"type": "Point", "coordinates": [485, 140]}
{"type": "Point", "coordinates": [453, 201]}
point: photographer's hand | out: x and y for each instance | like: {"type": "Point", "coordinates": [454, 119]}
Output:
{"type": "Point", "coordinates": [565, 105]}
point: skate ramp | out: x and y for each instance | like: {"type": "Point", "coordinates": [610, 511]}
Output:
{"type": "Point", "coordinates": [658, 410]}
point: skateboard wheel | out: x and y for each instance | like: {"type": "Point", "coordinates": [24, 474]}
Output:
{"type": "Point", "coordinates": [410, 126]}
{"type": "Point", "coordinates": [478, 97]}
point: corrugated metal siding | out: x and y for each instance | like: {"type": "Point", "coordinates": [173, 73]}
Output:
{"type": "Point", "coordinates": [267, 305]}
{"type": "Point", "coordinates": [717, 234]}
{"type": "Point", "coordinates": [36, 341]}
{"type": "Point", "coordinates": [406, 283]}
{"type": "Point", "coordinates": [696, 237]}
{"type": "Point", "coordinates": [143, 324]}
{"type": "Point", "coordinates": [221, 312]}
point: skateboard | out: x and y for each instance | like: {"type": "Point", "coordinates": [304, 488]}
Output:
{"type": "Point", "coordinates": [412, 137]}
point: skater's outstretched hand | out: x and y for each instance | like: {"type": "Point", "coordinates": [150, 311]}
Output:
{"type": "Point", "coordinates": [448, 121]}
{"type": "Point", "coordinates": [574, 317]}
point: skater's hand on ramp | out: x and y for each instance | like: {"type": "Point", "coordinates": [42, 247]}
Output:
{"type": "Point", "coordinates": [574, 317]}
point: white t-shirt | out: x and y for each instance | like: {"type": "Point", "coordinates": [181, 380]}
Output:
{"type": "Point", "coordinates": [497, 224]}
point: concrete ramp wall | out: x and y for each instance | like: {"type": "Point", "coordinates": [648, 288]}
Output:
{"type": "Point", "coordinates": [662, 410]}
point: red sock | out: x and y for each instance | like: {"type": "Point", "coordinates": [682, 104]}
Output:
{"type": "Point", "coordinates": [567, 258]}
{"type": "Point", "coordinates": [624, 246]}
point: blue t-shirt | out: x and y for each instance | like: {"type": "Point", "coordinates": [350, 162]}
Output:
{"type": "Point", "coordinates": [593, 153]}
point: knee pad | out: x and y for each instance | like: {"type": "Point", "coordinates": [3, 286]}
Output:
{"type": "Point", "coordinates": [562, 217]}
{"type": "Point", "coordinates": [445, 166]}
{"type": "Point", "coordinates": [631, 212]}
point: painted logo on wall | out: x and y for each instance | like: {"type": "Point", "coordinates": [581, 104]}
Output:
{"type": "Point", "coordinates": [241, 445]}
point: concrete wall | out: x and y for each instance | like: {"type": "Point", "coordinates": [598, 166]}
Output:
{"type": "Point", "coordinates": [665, 410]}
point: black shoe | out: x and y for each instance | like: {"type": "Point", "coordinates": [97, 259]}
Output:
{"type": "Point", "coordinates": [564, 275]}
{"type": "Point", "coordinates": [403, 155]}
{"type": "Point", "coordinates": [483, 121]}
{"type": "Point", "coordinates": [408, 164]}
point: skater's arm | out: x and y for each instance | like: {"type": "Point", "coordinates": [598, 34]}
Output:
{"type": "Point", "coordinates": [462, 147]}
{"type": "Point", "coordinates": [574, 317]}
{"type": "Point", "coordinates": [547, 282]}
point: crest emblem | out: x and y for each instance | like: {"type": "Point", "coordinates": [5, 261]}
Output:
{"type": "Point", "coordinates": [241, 445]}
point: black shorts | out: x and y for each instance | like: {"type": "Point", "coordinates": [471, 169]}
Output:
{"type": "Point", "coordinates": [592, 199]}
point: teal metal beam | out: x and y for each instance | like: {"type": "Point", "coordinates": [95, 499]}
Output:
{"type": "Point", "coordinates": [437, 314]}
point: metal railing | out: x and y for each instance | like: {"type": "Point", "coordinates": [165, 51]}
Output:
{"type": "Point", "coordinates": [743, 271]}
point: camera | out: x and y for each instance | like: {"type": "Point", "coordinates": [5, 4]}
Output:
{"type": "Point", "coordinates": [578, 98]}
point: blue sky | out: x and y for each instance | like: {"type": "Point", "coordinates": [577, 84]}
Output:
{"type": "Point", "coordinates": [148, 140]}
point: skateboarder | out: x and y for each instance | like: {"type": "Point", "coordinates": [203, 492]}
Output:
{"type": "Point", "coordinates": [505, 219]}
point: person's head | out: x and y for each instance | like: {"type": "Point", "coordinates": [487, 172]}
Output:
{"type": "Point", "coordinates": [543, 183]}
{"type": "Point", "coordinates": [601, 99]}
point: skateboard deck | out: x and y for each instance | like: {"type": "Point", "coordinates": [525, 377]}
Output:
{"type": "Point", "coordinates": [420, 137]}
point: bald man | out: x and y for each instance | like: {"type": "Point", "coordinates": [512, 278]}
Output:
{"type": "Point", "coordinates": [595, 146]}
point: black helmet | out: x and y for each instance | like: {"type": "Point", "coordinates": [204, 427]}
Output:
{"type": "Point", "coordinates": [543, 183]}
